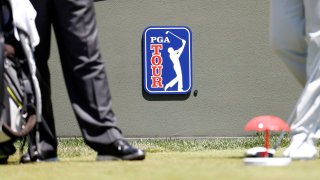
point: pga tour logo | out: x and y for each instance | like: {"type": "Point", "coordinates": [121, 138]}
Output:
{"type": "Point", "coordinates": [167, 60]}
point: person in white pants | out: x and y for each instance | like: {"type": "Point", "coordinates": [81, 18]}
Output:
{"type": "Point", "coordinates": [295, 37]}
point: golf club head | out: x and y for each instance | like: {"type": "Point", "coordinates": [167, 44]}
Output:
{"type": "Point", "coordinates": [259, 152]}
{"type": "Point", "coordinates": [167, 32]}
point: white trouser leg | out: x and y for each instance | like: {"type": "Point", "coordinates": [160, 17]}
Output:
{"type": "Point", "coordinates": [308, 110]}
{"type": "Point", "coordinates": [295, 35]}
{"type": "Point", "coordinates": [287, 35]}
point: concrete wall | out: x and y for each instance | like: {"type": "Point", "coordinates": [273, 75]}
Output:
{"type": "Point", "coordinates": [236, 74]}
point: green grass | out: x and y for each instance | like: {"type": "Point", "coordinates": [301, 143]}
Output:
{"type": "Point", "coordinates": [217, 158]}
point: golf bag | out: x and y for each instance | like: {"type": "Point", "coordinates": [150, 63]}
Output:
{"type": "Point", "coordinates": [20, 98]}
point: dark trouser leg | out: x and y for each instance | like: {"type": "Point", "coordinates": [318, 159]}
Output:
{"type": "Point", "coordinates": [42, 53]}
{"type": "Point", "coordinates": [84, 71]}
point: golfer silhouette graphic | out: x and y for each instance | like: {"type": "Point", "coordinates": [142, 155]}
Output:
{"type": "Point", "coordinates": [175, 58]}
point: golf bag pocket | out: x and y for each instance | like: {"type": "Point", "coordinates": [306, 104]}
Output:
{"type": "Point", "coordinates": [17, 113]}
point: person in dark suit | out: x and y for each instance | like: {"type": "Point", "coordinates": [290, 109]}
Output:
{"type": "Point", "coordinates": [75, 28]}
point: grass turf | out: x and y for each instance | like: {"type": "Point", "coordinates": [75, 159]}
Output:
{"type": "Point", "coordinates": [218, 158]}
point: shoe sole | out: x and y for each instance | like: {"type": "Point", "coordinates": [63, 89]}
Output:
{"type": "Point", "coordinates": [304, 158]}
{"type": "Point", "coordinates": [28, 161]}
{"type": "Point", "coordinates": [132, 157]}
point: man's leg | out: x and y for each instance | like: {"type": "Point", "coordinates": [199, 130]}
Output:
{"type": "Point", "coordinates": [86, 79]}
{"type": "Point", "coordinates": [290, 19]}
{"type": "Point", "coordinates": [307, 116]}
{"type": "Point", "coordinates": [84, 71]}
{"type": "Point", "coordinates": [287, 35]}
{"type": "Point", "coordinates": [48, 141]}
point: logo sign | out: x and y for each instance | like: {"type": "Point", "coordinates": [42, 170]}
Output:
{"type": "Point", "coordinates": [167, 60]}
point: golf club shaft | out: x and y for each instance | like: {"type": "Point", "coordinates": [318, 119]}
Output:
{"type": "Point", "coordinates": [175, 35]}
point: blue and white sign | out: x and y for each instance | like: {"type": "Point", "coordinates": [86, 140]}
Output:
{"type": "Point", "coordinates": [167, 60]}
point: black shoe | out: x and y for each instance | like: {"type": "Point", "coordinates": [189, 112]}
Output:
{"type": "Point", "coordinates": [6, 149]}
{"type": "Point", "coordinates": [121, 150]}
{"type": "Point", "coordinates": [4, 159]}
{"type": "Point", "coordinates": [26, 158]}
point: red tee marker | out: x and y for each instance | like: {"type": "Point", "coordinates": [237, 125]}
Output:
{"type": "Point", "coordinates": [266, 123]}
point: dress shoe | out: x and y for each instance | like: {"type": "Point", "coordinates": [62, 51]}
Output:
{"type": "Point", "coordinates": [121, 150]}
{"type": "Point", "coordinates": [26, 158]}
{"type": "Point", "coordinates": [4, 159]}
{"type": "Point", "coordinates": [6, 149]}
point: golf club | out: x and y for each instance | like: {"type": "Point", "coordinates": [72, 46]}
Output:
{"type": "Point", "coordinates": [167, 32]}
